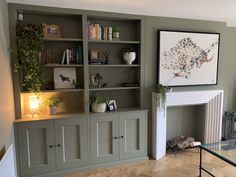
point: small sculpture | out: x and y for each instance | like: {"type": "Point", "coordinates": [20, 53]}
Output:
{"type": "Point", "coordinates": [106, 54]}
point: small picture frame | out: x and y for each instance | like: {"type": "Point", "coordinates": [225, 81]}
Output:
{"type": "Point", "coordinates": [111, 107]}
{"type": "Point", "coordinates": [94, 54]}
{"type": "Point", "coordinates": [51, 31]}
{"type": "Point", "coordinates": [112, 102]}
{"type": "Point", "coordinates": [63, 78]}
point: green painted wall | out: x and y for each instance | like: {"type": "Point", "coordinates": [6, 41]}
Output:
{"type": "Point", "coordinates": [7, 115]}
{"type": "Point", "coordinates": [226, 73]}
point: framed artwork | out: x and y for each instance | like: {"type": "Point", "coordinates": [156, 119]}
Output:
{"type": "Point", "coordinates": [187, 58]}
{"type": "Point", "coordinates": [111, 107]}
{"type": "Point", "coordinates": [94, 55]}
{"type": "Point", "coordinates": [114, 103]}
{"type": "Point", "coordinates": [64, 77]}
{"type": "Point", "coordinates": [51, 31]}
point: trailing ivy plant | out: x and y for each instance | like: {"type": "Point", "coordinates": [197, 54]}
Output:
{"type": "Point", "coordinates": [30, 46]}
{"type": "Point", "coordinates": [161, 90]}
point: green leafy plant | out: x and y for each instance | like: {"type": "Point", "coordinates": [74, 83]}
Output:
{"type": "Point", "coordinates": [115, 29]}
{"type": "Point", "coordinates": [98, 99]}
{"type": "Point", "coordinates": [75, 84]}
{"type": "Point", "coordinates": [127, 49]}
{"type": "Point", "coordinates": [161, 89]}
{"type": "Point", "coordinates": [53, 101]}
{"type": "Point", "coordinates": [30, 63]}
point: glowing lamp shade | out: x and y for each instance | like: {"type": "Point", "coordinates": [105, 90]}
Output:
{"type": "Point", "coordinates": [34, 104]}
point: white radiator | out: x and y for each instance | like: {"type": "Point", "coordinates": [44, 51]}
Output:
{"type": "Point", "coordinates": [7, 164]}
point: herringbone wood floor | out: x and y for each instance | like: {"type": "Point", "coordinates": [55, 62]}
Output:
{"type": "Point", "coordinates": [185, 164]}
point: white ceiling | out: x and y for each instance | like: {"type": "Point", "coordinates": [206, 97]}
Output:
{"type": "Point", "coordinates": [216, 10]}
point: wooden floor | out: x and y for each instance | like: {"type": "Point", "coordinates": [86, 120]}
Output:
{"type": "Point", "coordinates": [185, 164]}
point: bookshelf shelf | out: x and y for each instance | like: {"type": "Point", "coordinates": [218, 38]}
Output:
{"type": "Point", "coordinates": [57, 90]}
{"type": "Point", "coordinates": [60, 65]}
{"type": "Point", "coordinates": [63, 39]}
{"type": "Point", "coordinates": [114, 42]}
{"type": "Point", "coordinates": [114, 88]}
{"type": "Point", "coordinates": [118, 65]}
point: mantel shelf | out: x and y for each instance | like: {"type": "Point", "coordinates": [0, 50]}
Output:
{"type": "Point", "coordinates": [63, 39]}
{"type": "Point", "coordinates": [114, 42]}
{"type": "Point", "coordinates": [113, 88]}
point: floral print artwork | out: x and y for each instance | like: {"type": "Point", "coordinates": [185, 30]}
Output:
{"type": "Point", "coordinates": [185, 56]}
{"type": "Point", "coordinates": [188, 58]}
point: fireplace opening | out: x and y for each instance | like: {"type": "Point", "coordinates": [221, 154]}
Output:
{"type": "Point", "coordinates": [185, 124]}
{"type": "Point", "coordinates": [205, 126]}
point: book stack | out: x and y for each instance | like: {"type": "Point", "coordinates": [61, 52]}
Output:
{"type": "Point", "coordinates": [97, 32]}
{"type": "Point", "coordinates": [49, 56]}
{"type": "Point", "coordinates": [72, 56]}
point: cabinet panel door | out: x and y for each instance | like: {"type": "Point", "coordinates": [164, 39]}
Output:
{"type": "Point", "coordinates": [104, 138]}
{"type": "Point", "coordinates": [72, 142]}
{"type": "Point", "coordinates": [36, 147]}
{"type": "Point", "coordinates": [133, 135]}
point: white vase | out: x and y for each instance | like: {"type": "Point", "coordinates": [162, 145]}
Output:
{"type": "Point", "coordinates": [99, 107]}
{"type": "Point", "coordinates": [53, 110]}
{"type": "Point", "coordinates": [129, 57]}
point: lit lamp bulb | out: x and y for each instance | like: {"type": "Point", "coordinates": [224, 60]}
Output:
{"type": "Point", "coordinates": [34, 104]}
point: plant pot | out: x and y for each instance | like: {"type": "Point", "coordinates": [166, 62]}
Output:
{"type": "Point", "coordinates": [116, 35]}
{"type": "Point", "coordinates": [53, 110]}
{"type": "Point", "coordinates": [129, 57]}
{"type": "Point", "coordinates": [99, 107]}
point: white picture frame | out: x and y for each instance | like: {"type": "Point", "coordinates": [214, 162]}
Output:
{"type": "Point", "coordinates": [63, 77]}
{"type": "Point", "coordinates": [187, 58]}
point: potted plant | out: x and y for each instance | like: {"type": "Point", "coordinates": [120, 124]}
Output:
{"type": "Point", "coordinates": [128, 54]}
{"type": "Point", "coordinates": [99, 103]}
{"type": "Point", "coordinates": [160, 94]}
{"type": "Point", "coordinates": [30, 46]}
{"type": "Point", "coordinates": [116, 33]}
{"type": "Point", "coordinates": [53, 103]}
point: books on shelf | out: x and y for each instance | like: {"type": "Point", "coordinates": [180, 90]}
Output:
{"type": "Point", "coordinates": [97, 32]}
{"type": "Point", "coordinates": [49, 55]}
{"type": "Point", "coordinates": [72, 56]}
{"type": "Point", "coordinates": [68, 56]}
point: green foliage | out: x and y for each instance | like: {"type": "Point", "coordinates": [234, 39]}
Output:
{"type": "Point", "coordinates": [159, 88]}
{"type": "Point", "coordinates": [127, 49]}
{"type": "Point", "coordinates": [30, 46]}
{"type": "Point", "coordinates": [115, 29]}
{"type": "Point", "coordinates": [75, 84]}
{"type": "Point", "coordinates": [52, 101]}
{"type": "Point", "coordinates": [98, 99]}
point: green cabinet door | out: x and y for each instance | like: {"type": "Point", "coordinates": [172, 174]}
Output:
{"type": "Point", "coordinates": [133, 134]}
{"type": "Point", "coordinates": [104, 138]}
{"type": "Point", "coordinates": [71, 143]}
{"type": "Point", "coordinates": [36, 147]}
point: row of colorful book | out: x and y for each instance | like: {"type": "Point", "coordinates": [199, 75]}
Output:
{"type": "Point", "coordinates": [97, 32]}
{"type": "Point", "coordinates": [72, 56]}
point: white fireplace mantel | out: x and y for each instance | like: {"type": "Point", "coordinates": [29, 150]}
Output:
{"type": "Point", "coordinates": [213, 101]}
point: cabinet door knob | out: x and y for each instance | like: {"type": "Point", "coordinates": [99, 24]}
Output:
{"type": "Point", "coordinates": [51, 146]}
{"type": "Point", "coordinates": [115, 137]}
{"type": "Point", "coordinates": [121, 136]}
{"type": "Point", "coordinates": [58, 145]}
